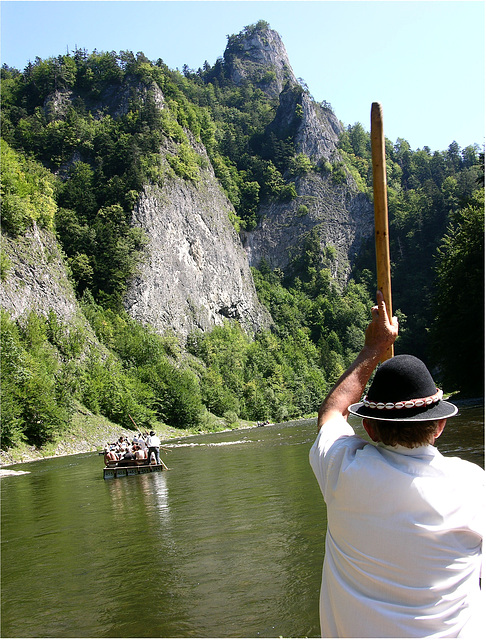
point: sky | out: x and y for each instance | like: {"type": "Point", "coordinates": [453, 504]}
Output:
{"type": "Point", "coordinates": [423, 60]}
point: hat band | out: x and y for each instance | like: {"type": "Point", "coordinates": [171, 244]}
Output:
{"type": "Point", "coordinates": [406, 404]}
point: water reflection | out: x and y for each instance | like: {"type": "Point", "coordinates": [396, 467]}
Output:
{"type": "Point", "coordinates": [145, 491]}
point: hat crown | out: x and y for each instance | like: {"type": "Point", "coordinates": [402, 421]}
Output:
{"type": "Point", "coordinates": [401, 378]}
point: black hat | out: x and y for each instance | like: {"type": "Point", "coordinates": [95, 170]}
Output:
{"type": "Point", "coordinates": [403, 390]}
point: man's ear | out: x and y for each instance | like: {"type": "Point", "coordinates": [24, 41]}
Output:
{"type": "Point", "coordinates": [370, 430]}
{"type": "Point", "coordinates": [440, 428]}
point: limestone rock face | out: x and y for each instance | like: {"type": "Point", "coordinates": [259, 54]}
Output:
{"type": "Point", "coordinates": [195, 273]}
{"type": "Point", "coordinates": [314, 129]}
{"type": "Point", "coordinates": [318, 134]}
{"type": "Point", "coordinates": [336, 210]}
{"type": "Point", "coordinates": [260, 56]}
{"type": "Point", "coordinates": [196, 270]}
{"type": "Point", "coordinates": [114, 98]}
{"type": "Point", "coordinates": [341, 216]}
{"type": "Point", "coordinates": [37, 280]}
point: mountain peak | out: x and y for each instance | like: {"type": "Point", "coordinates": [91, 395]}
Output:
{"type": "Point", "coordinates": [258, 54]}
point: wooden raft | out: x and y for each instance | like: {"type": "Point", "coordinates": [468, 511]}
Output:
{"type": "Point", "coordinates": [121, 472]}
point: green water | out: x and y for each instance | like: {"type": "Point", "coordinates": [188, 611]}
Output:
{"type": "Point", "coordinates": [228, 543]}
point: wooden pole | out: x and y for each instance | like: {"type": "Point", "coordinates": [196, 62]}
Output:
{"type": "Point", "coordinates": [134, 423]}
{"type": "Point", "coordinates": [383, 271]}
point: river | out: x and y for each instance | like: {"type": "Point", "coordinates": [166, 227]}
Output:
{"type": "Point", "coordinates": [228, 543]}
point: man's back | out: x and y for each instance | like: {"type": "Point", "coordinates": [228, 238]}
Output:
{"type": "Point", "coordinates": [403, 541]}
{"type": "Point", "coordinates": [153, 441]}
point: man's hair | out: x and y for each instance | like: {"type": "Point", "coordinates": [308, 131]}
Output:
{"type": "Point", "coordinates": [408, 434]}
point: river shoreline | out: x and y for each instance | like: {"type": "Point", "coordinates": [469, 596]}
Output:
{"type": "Point", "coordinates": [91, 433]}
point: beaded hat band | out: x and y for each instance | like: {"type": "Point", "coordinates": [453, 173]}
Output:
{"type": "Point", "coordinates": [403, 376]}
{"type": "Point", "coordinates": [406, 404]}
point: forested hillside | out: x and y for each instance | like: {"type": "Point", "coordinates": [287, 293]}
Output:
{"type": "Point", "coordinates": [82, 135]}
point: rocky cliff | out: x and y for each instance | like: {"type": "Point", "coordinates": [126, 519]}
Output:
{"type": "Point", "coordinates": [342, 216]}
{"type": "Point", "coordinates": [36, 278]}
{"type": "Point", "coordinates": [260, 56]}
{"type": "Point", "coordinates": [195, 273]}
{"type": "Point", "coordinates": [196, 269]}
{"type": "Point", "coordinates": [339, 214]}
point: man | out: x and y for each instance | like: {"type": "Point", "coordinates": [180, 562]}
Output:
{"type": "Point", "coordinates": [153, 444]}
{"type": "Point", "coordinates": [403, 543]}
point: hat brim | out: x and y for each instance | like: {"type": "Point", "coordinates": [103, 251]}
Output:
{"type": "Point", "coordinates": [439, 411]}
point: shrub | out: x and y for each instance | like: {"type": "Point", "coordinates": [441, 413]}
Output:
{"type": "Point", "coordinates": [27, 192]}
{"type": "Point", "coordinates": [36, 405]}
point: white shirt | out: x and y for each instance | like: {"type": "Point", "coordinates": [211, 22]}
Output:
{"type": "Point", "coordinates": [404, 538]}
{"type": "Point", "coordinates": [153, 441]}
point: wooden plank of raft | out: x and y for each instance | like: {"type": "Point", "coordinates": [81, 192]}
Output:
{"type": "Point", "coordinates": [121, 472]}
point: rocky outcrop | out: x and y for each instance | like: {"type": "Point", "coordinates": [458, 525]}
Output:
{"type": "Point", "coordinates": [36, 277]}
{"type": "Point", "coordinates": [315, 130]}
{"type": "Point", "coordinates": [258, 54]}
{"type": "Point", "coordinates": [340, 215]}
{"type": "Point", "coordinates": [318, 133]}
{"type": "Point", "coordinates": [115, 98]}
{"type": "Point", "coordinates": [195, 273]}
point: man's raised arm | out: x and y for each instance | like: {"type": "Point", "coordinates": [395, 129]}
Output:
{"type": "Point", "coordinates": [380, 334]}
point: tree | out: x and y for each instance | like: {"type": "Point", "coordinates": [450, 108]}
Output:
{"type": "Point", "coordinates": [359, 140]}
{"type": "Point", "coordinates": [458, 328]}
{"type": "Point", "coordinates": [35, 405]}
{"type": "Point", "coordinates": [78, 191]}
{"type": "Point", "coordinates": [301, 164]}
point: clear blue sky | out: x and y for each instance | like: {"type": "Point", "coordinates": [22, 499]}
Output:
{"type": "Point", "coordinates": [424, 61]}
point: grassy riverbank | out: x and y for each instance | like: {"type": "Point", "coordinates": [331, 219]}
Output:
{"type": "Point", "coordinates": [89, 432]}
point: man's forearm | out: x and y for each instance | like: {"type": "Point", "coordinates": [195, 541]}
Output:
{"type": "Point", "coordinates": [350, 386]}
{"type": "Point", "coordinates": [380, 334]}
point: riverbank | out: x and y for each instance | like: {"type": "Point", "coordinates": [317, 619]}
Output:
{"type": "Point", "coordinates": [89, 432]}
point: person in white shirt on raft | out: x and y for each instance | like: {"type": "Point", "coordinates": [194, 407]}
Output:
{"type": "Point", "coordinates": [153, 444]}
{"type": "Point", "coordinates": [405, 523]}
